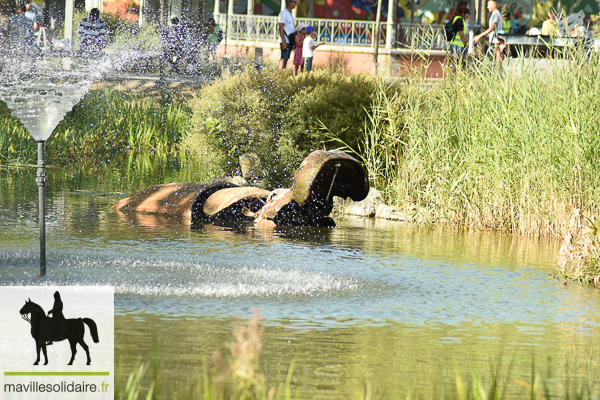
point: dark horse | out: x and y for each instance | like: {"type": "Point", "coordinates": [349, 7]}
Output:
{"type": "Point", "coordinates": [44, 329]}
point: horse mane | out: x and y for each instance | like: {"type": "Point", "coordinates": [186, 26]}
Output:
{"type": "Point", "coordinates": [37, 307]}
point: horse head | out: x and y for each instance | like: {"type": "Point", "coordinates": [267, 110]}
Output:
{"type": "Point", "coordinates": [321, 176]}
{"type": "Point", "coordinates": [30, 308]}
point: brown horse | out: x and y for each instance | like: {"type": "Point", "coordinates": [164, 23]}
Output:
{"type": "Point", "coordinates": [44, 329]}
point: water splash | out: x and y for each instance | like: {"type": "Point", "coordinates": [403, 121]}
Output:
{"type": "Point", "coordinates": [42, 88]}
{"type": "Point", "coordinates": [175, 277]}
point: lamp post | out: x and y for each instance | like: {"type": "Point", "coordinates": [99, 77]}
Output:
{"type": "Point", "coordinates": [376, 41]}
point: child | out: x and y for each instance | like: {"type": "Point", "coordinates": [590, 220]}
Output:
{"type": "Point", "coordinates": [309, 47]}
{"type": "Point", "coordinates": [298, 61]}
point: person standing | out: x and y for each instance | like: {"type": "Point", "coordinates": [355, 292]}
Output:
{"type": "Point", "coordinates": [550, 27]}
{"type": "Point", "coordinates": [298, 60]}
{"type": "Point", "coordinates": [458, 45]}
{"type": "Point", "coordinates": [174, 39]}
{"type": "Point", "coordinates": [92, 32]}
{"type": "Point", "coordinates": [506, 23]}
{"type": "Point", "coordinates": [20, 29]}
{"type": "Point", "coordinates": [30, 13]}
{"type": "Point", "coordinates": [37, 9]}
{"type": "Point", "coordinates": [494, 25]}
{"type": "Point", "coordinates": [213, 38]}
{"type": "Point", "coordinates": [308, 47]}
{"type": "Point", "coordinates": [287, 26]}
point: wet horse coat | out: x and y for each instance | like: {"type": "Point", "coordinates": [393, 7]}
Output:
{"type": "Point", "coordinates": [320, 177]}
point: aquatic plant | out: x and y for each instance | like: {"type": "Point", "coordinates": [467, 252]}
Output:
{"type": "Point", "coordinates": [105, 125]}
{"type": "Point", "coordinates": [492, 151]}
{"type": "Point", "coordinates": [579, 256]}
{"type": "Point", "coordinates": [16, 145]}
{"type": "Point", "coordinates": [238, 374]}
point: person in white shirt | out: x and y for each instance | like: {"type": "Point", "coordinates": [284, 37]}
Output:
{"type": "Point", "coordinates": [492, 30]}
{"type": "Point", "coordinates": [309, 46]}
{"type": "Point", "coordinates": [287, 26]}
{"type": "Point", "coordinates": [38, 10]}
{"type": "Point", "coordinates": [30, 13]}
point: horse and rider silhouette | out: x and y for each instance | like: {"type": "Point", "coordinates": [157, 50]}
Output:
{"type": "Point", "coordinates": [46, 330]}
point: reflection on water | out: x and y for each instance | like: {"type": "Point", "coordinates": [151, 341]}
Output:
{"type": "Point", "coordinates": [367, 302]}
{"type": "Point", "coordinates": [394, 358]}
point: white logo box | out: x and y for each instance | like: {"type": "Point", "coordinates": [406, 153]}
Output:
{"type": "Point", "coordinates": [20, 379]}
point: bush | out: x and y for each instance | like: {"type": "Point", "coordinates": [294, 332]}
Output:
{"type": "Point", "coordinates": [279, 117]}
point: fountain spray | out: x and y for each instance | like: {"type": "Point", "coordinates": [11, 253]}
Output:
{"type": "Point", "coordinates": [40, 91]}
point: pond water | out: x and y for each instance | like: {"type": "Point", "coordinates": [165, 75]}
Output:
{"type": "Point", "coordinates": [368, 306]}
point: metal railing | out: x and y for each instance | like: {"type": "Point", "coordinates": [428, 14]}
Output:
{"type": "Point", "coordinates": [420, 37]}
{"type": "Point", "coordinates": [336, 32]}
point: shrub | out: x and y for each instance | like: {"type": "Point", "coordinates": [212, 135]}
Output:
{"type": "Point", "coordinates": [280, 117]}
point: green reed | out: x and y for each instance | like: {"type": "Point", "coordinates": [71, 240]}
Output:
{"type": "Point", "coordinates": [489, 149]}
{"type": "Point", "coordinates": [108, 123]}
{"type": "Point", "coordinates": [236, 375]}
{"type": "Point", "coordinates": [477, 386]}
{"type": "Point", "coordinates": [105, 126]}
{"type": "Point", "coordinates": [16, 144]}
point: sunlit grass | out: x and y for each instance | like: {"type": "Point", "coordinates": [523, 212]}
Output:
{"type": "Point", "coordinates": [104, 126]}
{"type": "Point", "coordinates": [491, 151]}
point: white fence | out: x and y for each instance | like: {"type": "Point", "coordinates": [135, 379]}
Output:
{"type": "Point", "coordinates": [335, 31]}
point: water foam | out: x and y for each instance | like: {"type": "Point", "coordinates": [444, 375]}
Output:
{"type": "Point", "coordinates": [174, 277]}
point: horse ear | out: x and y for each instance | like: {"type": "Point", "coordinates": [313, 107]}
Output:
{"type": "Point", "coordinates": [29, 300]}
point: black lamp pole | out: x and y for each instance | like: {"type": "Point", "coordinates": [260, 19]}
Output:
{"type": "Point", "coordinates": [40, 178]}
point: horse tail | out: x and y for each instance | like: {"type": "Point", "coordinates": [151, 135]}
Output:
{"type": "Point", "coordinates": [93, 329]}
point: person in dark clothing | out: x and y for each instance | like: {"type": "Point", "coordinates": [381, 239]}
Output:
{"type": "Point", "coordinates": [458, 45]}
{"type": "Point", "coordinates": [174, 40]}
{"type": "Point", "coordinates": [92, 32]}
{"type": "Point", "coordinates": [20, 29]}
{"type": "Point", "coordinates": [57, 315]}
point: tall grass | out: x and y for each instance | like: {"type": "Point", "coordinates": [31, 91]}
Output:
{"type": "Point", "coordinates": [236, 375]}
{"type": "Point", "coordinates": [105, 126]}
{"type": "Point", "coordinates": [490, 150]}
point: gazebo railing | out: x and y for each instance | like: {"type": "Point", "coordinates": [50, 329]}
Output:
{"type": "Point", "coordinates": [335, 31]}
{"type": "Point", "coordinates": [420, 37]}
{"type": "Point", "coordinates": [343, 32]}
